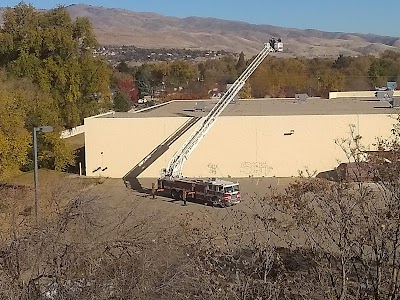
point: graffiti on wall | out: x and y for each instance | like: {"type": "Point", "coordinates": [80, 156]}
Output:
{"type": "Point", "coordinates": [258, 169]}
{"type": "Point", "coordinates": [212, 168]}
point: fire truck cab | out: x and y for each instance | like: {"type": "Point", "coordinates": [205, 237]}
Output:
{"type": "Point", "coordinates": [209, 191]}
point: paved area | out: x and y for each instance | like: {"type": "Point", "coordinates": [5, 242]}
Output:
{"type": "Point", "coordinates": [267, 107]}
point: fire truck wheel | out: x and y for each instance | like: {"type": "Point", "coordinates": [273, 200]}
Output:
{"type": "Point", "coordinates": [174, 194]}
{"type": "Point", "coordinates": [214, 201]}
{"type": "Point", "coordinates": [180, 195]}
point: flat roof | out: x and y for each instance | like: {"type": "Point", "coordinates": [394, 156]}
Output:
{"type": "Point", "coordinates": [266, 107]}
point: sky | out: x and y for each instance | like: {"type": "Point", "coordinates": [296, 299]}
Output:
{"type": "Point", "coordinates": [362, 16]}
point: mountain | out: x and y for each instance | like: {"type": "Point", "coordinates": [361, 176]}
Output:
{"type": "Point", "coordinates": [151, 30]}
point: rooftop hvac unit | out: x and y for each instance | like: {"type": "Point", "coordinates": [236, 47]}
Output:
{"type": "Point", "coordinates": [391, 85]}
{"type": "Point", "coordinates": [395, 102]}
{"type": "Point", "coordinates": [384, 95]}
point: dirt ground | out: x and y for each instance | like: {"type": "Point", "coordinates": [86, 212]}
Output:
{"type": "Point", "coordinates": [167, 214]}
{"type": "Point", "coordinates": [119, 206]}
{"type": "Point", "coordinates": [250, 188]}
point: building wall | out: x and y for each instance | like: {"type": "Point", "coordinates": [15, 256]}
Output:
{"type": "Point", "coordinates": [357, 94]}
{"type": "Point", "coordinates": [235, 146]}
{"type": "Point", "coordinates": [79, 129]}
{"type": "Point", "coordinates": [119, 144]}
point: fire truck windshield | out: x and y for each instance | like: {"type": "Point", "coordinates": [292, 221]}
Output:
{"type": "Point", "coordinates": [231, 189]}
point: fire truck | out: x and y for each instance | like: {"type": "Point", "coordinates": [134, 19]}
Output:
{"type": "Point", "coordinates": [212, 190]}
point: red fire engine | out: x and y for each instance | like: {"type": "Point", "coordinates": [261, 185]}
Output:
{"type": "Point", "coordinates": [210, 191]}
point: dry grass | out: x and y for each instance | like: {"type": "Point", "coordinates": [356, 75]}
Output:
{"type": "Point", "coordinates": [55, 191]}
{"type": "Point", "coordinates": [98, 241]}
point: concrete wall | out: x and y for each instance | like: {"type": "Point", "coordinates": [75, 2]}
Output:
{"type": "Point", "coordinates": [79, 129]}
{"type": "Point", "coordinates": [72, 132]}
{"type": "Point", "coordinates": [235, 146]}
{"type": "Point", "coordinates": [357, 94]}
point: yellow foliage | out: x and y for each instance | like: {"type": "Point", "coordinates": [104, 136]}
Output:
{"type": "Point", "coordinates": [246, 91]}
{"type": "Point", "coordinates": [14, 138]}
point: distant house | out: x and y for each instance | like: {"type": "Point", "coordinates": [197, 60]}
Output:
{"type": "Point", "coordinates": [112, 91]}
{"type": "Point", "coordinates": [216, 92]}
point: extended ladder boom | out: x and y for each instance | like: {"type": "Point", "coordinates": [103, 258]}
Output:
{"type": "Point", "coordinates": [175, 166]}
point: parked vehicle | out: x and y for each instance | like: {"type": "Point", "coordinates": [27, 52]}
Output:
{"type": "Point", "coordinates": [209, 191]}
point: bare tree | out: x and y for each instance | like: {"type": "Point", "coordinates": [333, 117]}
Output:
{"type": "Point", "coordinates": [348, 232]}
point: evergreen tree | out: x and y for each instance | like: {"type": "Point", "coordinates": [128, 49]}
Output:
{"type": "Point", "coordinates": [241, 64]}
{"type": "Point", "coordinates": [122, 102]}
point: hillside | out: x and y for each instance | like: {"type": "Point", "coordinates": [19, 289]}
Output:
{"type": "Point", "coordinates": [150, 30]}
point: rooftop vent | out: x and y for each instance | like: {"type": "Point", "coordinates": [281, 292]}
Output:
{"type": "Point", "coordinates": [395, 102]}
{"type": "Point", "coordinates": [388, 96]}
{"type": "Point", "coordinates": [201, 105]}
{"type": "Point", "coordinates": [384, 95]}
{"type": "Point", "coordinates": [301, 97]}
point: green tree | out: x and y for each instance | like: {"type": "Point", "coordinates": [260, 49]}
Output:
{"type": "Point", "coordinates": [150, 76]}
{"type": "Point", "coordinates": [258, 82]}
{"type": "Point", "coordinates": [181, 72]}
{"type": "Point", "coordinates": [23, 106]}
{"type": "Point", "coordinates": [386, 68]}
{"type": "Point", "coordinates": [332, 80]}
{"type": "Point", "coordinates": [280, 77]}
{"type": "Point", "coordinates": [342, 62]}
{"type": "Point", "coordinates": [357, 74]}
{"type": "Point", "coordinates": [56, 53]}
{"type": "Point", "coordinates": [14, 138]}
{"type": "Point", "coordinates": [123, 67]}
{"type": "Point", "coordinates": [218, 71]}
{"type": "Point", "coordinates": [122, 103]}
{"type": "Point", "coordinates": [241, 64]}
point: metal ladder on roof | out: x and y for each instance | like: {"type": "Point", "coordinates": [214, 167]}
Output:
{"type": "Point", "coordinates": [175, 166]}
{"type": "Point", "coordinates": [160, 149]}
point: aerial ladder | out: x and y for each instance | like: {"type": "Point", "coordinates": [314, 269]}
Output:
{"type": "Point", "coordinates": [175, 166]}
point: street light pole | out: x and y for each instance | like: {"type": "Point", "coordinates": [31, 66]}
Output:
{"type": "Point", "coordinates": [35, 172]}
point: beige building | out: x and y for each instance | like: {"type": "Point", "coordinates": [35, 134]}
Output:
{"type": "Point", "coordinates": [357, 94]}
{"type": "Point", "coordinates": [263, 137]}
